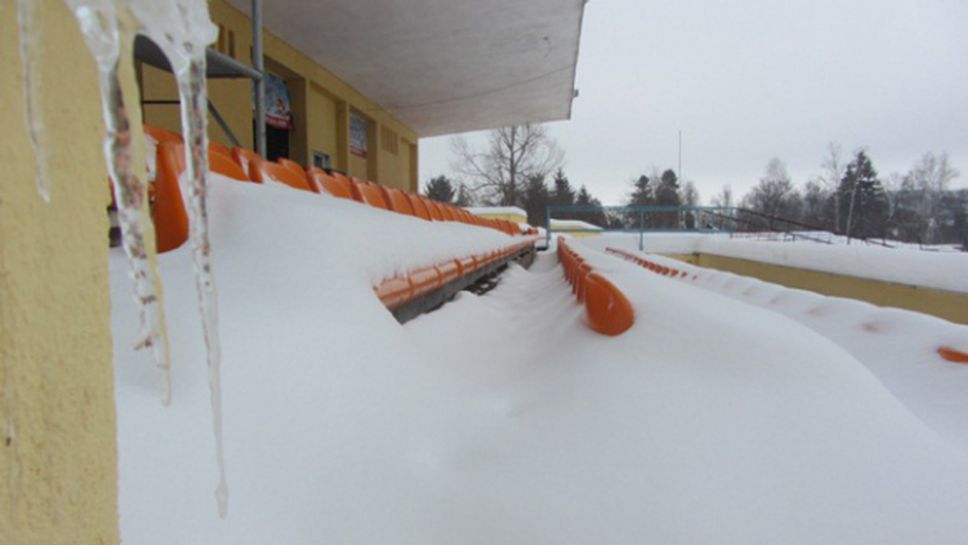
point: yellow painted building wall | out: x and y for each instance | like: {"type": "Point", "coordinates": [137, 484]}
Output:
{"type": "Point", "coordinates": [517, 218]}
{"type": "Point", "coordinates": [58, 462]}
{"type": "Point", "coordinates": [321, 102]}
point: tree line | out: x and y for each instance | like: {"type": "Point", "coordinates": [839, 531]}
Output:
{"type": "Point", "coordinates": [523, 166]}
{"type": "Point", "coordinates": [850, 198]}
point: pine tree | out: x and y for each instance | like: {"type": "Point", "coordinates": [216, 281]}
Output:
{"type": "Point", "coordinates": [440, 189]}
{"type": "Point", "coordinates": [595, 217]}
{"type": "Point", "coordinates": [862, 199]}
{"type": "Point", "coordinates": [642, 195]}
{"type": "Point", "coordinates": [562, 194]}
{"type": "Point", "coordinates": [667, 194]}
{"type": "Point", "coordinates": [536, 199]}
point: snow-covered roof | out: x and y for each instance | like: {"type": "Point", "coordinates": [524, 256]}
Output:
{"type": "Point", "coordinates": [496, 211]}
{"type": "Point", "coordinates": [573, 225]}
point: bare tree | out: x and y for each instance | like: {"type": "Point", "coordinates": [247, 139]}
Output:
{"type": "Point", "coordinates": [929, 178]}
{"type": "Point", "coordinates": [774, 196]}
{"type": "Point", "coordinates": [724, 198]}
{"type": "Point", "coordinates": [512, 156]}
{"type": "Point", "coordinates": [834, 168]}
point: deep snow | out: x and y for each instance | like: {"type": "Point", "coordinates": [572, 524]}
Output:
{"type": "Point", "coordinates": [898, 346]}
{"type": "Point", "coordinates": [501, 418]}
{"type": "Point", "coordinates": [904, 265]}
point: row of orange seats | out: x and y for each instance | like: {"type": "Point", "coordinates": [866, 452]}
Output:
{"type": "Point", "coordinates": [400, 290]}
{"type": "Point", "coordinates": [945, 352]}
{"type": "Point", "coordinates": [245, 165]}
{"type": "Point", "coordinates": [607, 310]}
{"type": "Point", "coordinates": [651, 265]}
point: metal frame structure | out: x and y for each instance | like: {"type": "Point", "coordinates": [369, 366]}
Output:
{"type": "Point", "coordinates": [731, 220]}
{"type": "Point", "coordinates": [221, 66]}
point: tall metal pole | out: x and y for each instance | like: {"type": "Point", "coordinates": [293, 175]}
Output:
{"type": "Point", "coordinates": [258, 63]}
{"type": "Point", "coordinates": [680, 155]}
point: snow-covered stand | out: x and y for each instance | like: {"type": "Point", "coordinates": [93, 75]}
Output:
{"type": "Point", "coordinates": [426, 288]}
{"type": "Point", "coordinates": [406, 296]}
{"type": "Point", "coordinates": [607, 309]}
{"type": "Point", "coordinates": [946, 353]}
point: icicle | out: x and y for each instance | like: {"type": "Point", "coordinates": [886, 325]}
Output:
{"type": "Point", "coordinates": [26, 15]}
{"type": "Point", "coordinates": [99, 25]}
{"type": "Point", "coordinates": [182, 29]}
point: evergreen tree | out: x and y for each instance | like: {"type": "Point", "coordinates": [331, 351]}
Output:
{"type": "Point", "coordinates": [595, 217]}
{"type": "Point", "coordinates": [667, 194]}
{"type": "Point", "coordinates": [440, 189]}
{"type": "Point", "coordinates": [562, 194]}
{"type": "Point", "coordinates": [536, 199]}
{"type": "Point", "coordinates": [642, 192]}
{"type": "Point", "coordinates": [862, 198]}
{"type": "Point", "coordinates": [642, 195]}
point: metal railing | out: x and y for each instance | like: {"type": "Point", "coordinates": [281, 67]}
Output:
{"type": "Point", "coordinates": [737, 222]}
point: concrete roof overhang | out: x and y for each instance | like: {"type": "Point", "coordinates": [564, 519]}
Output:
{"type": "Point", "coordinates": [443, 66]}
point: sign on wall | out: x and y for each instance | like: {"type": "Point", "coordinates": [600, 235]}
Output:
{"type": "Point", "coordinates": [358, 143]}
{"type": "Point", "coordinates": [277, 105]}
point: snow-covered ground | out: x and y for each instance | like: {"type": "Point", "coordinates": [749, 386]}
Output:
{"type": "Point", "coordinates": [898, 346]}
{"type": "Point", "coordinates": [502, 418]}
{"type": "Point", "coordinates": [905, 265]}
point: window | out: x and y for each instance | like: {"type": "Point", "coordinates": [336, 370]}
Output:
{"type": "Point", "coordinates": [389, 140]}
{"type": "Point", "coordinates": [320, 159]}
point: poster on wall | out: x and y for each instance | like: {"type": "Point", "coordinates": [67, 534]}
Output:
{"type": "Point", "coordinates": [278, 111]}
{"type": "Point", "coordinates": [357, 135]}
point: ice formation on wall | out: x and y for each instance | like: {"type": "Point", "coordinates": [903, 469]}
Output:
{"type": "Point", "coordinates": [99, 25]}
{"type": "Point", "coordinates": [26, 14]}
{"type": "Point", "coordinates": [183, 29]}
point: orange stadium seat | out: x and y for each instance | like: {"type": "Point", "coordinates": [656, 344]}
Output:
{"type": "Point", "coordinates": [398, 201]}
{"type": "Point", "coordinates": [168, 212]}
{"type": "Point", "coordinates": [371, 194]}
{"type": "Point", "coordinates": [244, 157]}
{"type": "Point", "coordinates": [160, 135]}
{"type": "Point", "coordinates": [219, 148]}
{"type": "Point", "coordinates": [432, 209]}
{"type": "Point", "coordinates": [262, 171]}
{"type": "Point", "coordinates": [337, 187]}
{"type": "Point", "coordinates": [343, 179]}
{"type": "Point", "coordinates": [419, 207]}
{"type": "Point", "coordinates": [292, 165]}
{"type": "Point", "coordinates": [225, 165]}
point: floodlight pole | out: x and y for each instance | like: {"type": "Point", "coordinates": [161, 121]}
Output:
{"type": "Point", "coordinates": [680, 156]}
{"type": "Point", "coordinates": [258, 62]}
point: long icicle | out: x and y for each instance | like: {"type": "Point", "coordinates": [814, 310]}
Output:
{"type": "Point", "coordinates": [191, 90]}
{"type": "Point", "coordinates": [26, 17]}
{"type": "Point", "coordinates": [183, 29]}
{"type": "Point", "coordinates": [99, 25]}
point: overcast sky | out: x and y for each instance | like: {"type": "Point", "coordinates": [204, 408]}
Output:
{"type": "Point", "coordinates": [749, 80]}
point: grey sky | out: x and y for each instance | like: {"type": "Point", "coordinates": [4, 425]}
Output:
{"type": "Point", "coordinates": [749, 80]}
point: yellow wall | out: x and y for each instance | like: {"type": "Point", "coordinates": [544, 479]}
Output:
{"type": "Point", "coordinates": [952, 306]}
{"type": "Point", "coordinates": [57, 419]}
{"type": "Point", "coordinates": [517, 218]}
{"type": "Point", "coordinates": [320, 103]}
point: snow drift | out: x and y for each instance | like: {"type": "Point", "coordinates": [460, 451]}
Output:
{"type": "Point", "coordinates": [502, 418]}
